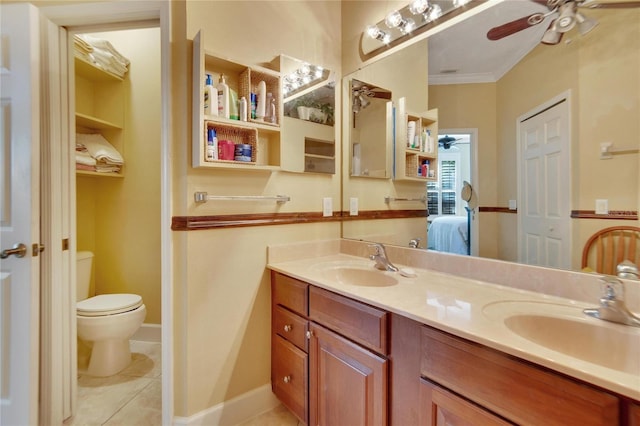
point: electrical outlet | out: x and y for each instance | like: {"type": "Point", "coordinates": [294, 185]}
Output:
{"type": "Point", "coordinates": [602, 206]}
{"type": "Point", "coordinates": [353, 206]}
{"type": "Point", "coordinates": [513, 205]}
{"type": "Point", "coordinates": [327, 206]}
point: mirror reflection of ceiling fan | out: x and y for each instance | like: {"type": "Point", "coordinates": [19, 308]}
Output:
{"type": "Point", "coordinates": [566, 15]}
{"type": "Point", "coordinates": [447, 141]}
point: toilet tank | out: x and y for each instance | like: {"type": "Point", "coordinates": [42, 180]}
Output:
{"type": "Point", "coordinates": [84, 260]}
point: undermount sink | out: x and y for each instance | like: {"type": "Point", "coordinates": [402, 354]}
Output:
{"type": "Point", "coordinates": [565, 329]}
{"type": "Point", "coordinates": [361, 274]}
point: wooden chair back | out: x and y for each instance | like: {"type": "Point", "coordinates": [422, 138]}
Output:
{"type": "Point", "coordinates": [605, 249]}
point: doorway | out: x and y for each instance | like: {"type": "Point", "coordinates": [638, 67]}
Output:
{"type": "Point", "coordinates": [118, 205]}
{"type": "Point", "coordinates": [125, 15]}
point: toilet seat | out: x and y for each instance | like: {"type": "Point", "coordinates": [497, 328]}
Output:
{"type": "Point", "coordinates": [108, 304]}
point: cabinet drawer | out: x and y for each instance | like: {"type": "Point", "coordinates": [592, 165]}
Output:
{"type": "Point", "coordinates": [514, 389]}
{"type": "Point", "coordinates": [354, 320]}
{"type": "Point", "coordinates": [291, 327]}
{"type": "Point", "coordinates": [290, 293]}
{"type": "Point", "coordinates": [289, 377]}
{"type": "Point", "coordinates": [441, 407]}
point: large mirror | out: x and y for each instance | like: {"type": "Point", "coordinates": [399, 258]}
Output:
{"type": "Point", "coordinates": [599, 75]}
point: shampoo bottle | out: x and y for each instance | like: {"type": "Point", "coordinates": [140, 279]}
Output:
{"type": "Point", "coordinates": [210, 97]}
{"type": "Point", "coordinates": [261, 109]}
{"type": "Point", "coordinates": [223, 97]}
{"type": "Point", "coordinates": [212, 145]}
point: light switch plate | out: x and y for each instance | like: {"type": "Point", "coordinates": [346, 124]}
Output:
{"type": "Point", "coordinates": [353, 206]}
{"type": "Point", "coordinates": [602, 206]}
{"type": "Point", "coordinates": [327, 206]}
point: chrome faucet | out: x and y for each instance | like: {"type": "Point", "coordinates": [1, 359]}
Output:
{"type": "Point", "coordinates": [414, 243]}
{"type": "Point", "coordinates": [612, 307]}
{"type": "Point", "coordinates": [380, 256]}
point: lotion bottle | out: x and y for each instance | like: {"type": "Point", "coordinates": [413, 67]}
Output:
{"type": "Point", "coordinates": [210, 97]}
{"type": "Point", "coordinates": [212, 145]}
{"type": "Point", "coordinates": [223, 97]}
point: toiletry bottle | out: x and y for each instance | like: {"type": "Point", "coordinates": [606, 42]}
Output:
{"type": "Point", "coordinates": [270, 112]}
{"type": "Point", "coordinates": [212, 145]}
{"type": "Point", "coordinates": [254, 102]}
{"type": "Point", "coordinates": [261, 109]}
{"type": "Point", "coordinates": [233, 105]}
{"type": "Point", "coordinates": [243, 109]}
{"type": "Point", "coordinates": [210, 97]}
{"type": "Point", "coordinates": [424, 141]}
{"type": "Point", "coordinates": [223, 97]}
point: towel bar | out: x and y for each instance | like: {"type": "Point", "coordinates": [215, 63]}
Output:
{"type": "Point", "coordinates": [203, 197]}
{"type": "Point", "coordinates": [388, 199]}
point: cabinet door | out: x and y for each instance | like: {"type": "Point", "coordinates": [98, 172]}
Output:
{"type": "Point", "coordinates": [440, 407]}
{"type": "Point", "coordinates": [347, 383]}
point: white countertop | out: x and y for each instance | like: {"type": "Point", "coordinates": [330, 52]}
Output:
{"type": "Point", "coordinates": [459, 306]}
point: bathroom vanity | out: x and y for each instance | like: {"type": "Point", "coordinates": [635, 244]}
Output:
{"type": "Point", "coordinates": [360, 352]}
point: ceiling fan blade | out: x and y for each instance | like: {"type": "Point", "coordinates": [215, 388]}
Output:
{"type": "Point", "coordinates": [504, 30]}
{"type": "Point", "coordinates": [618, 5]}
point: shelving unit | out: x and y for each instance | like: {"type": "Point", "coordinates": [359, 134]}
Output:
{"type": "Point", "coordinates": [99, 108]}
{"type": "Point", "coordinates": [243, 80]}
{"type": "Point", "coordinates": [319, 156]}
{"type": "Point", "coordinates": [407, 159]}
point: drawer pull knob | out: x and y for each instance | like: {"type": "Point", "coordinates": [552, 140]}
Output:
{"type": "Point", "coordinates": [288, 328]}
{"type": "Point", "coordinates": [287, 379]}
{"type": "Point", "coordinates": [309, 334]}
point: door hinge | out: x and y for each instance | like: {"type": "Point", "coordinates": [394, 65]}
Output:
{"type": "Point", "coordinates": [65, 244]}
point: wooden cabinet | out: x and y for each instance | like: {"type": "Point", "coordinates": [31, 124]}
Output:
{"type": "Point", "coordinates": [329, 364]}
{"type": "Point", "coordinates": [512, 389]}
{"type": "Point", "coordinates": [99, 107]}
{"type": "Point", "coordinates": [439, 407]}
{"type": "Point", "coordinates": [264, 137]}
{"type": "Point", "coordinates": [633, 414]}
{"type": "Point", "coordinates": [347, 383]}
{"type": "Point", "coordinates": [411, 155]}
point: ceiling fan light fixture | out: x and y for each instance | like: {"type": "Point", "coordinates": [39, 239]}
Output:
{"type": "Point", "coordinates": [585, 24]}
{"type": "Point", "coordinates": [566, 19]}
{"type": "Point", "coordinates": [551, 36]}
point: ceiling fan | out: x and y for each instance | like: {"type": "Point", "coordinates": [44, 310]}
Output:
{"type": "Point", "coordinates": [447, 141]}
{"type": "Point", "coordinates": [566, 15]}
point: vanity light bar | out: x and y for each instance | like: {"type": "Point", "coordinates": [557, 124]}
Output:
{"type": "Point", "coordinates": [403, 22]}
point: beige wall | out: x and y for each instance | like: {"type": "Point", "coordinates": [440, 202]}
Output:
{"type": "Point", "coordinates": [222, 291]}
{"type": "Point", "coordinates": [602, 71]}
{"type": "Point", "coordinates": [118, 219]}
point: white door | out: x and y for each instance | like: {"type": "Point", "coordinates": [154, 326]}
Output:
{"type": "Point", "coordinates": [544, 188]}
{"type": "Point", "coordinates": [19, 214]}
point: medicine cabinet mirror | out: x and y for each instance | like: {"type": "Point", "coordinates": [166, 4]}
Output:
{"type": "Point", "coordinates": [371, 129]}
{"type": "Point", "coordinates": [309, 93]}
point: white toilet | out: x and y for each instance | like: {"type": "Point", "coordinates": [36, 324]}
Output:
{"type": "Point", "coordinates": [106, 322]}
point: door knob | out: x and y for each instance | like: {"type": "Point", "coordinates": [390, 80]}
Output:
{"type": "Point", "coordinates": [18, 249]}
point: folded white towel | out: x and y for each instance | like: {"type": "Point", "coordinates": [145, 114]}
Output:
{"type": "Point", "coordinates": [81, 45]}
{"type": "Point", "coordinates": [99, 148]}
{"type": "Point", "coordinates": [104, 45]}
{"type": "Point", "coordinates": [109, 62]}
{"type": "Point", "coordinates": [85, 158]}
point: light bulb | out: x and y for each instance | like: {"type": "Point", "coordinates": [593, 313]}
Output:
{"type": "Point", "coordinates": [418, 6]}
{"type": "Point", "coordinates": [393, 19]}
{"type": "Point", "coordinates": [435, 11]}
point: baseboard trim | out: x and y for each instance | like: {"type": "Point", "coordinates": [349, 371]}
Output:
{"type": "Point", "coordinates": [148, 333]}
{"type": "Point", "coordinates": [233, 411]}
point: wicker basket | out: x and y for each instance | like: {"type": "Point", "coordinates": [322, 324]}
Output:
{"type": "Point", "coordinates": [412, 166]}
{"type": "Point", "coordinates": [235, 134]}
{"type": "Point", "coordinates": [248, 83]}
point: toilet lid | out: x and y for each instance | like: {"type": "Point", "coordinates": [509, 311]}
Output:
{"type": "Point", "coordinates": [108, 304]}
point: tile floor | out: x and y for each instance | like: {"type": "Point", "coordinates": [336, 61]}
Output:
{"type": "Point", "coordinates": [132, 397]}
{"type": "Point", "coordinates": [279, 416]}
